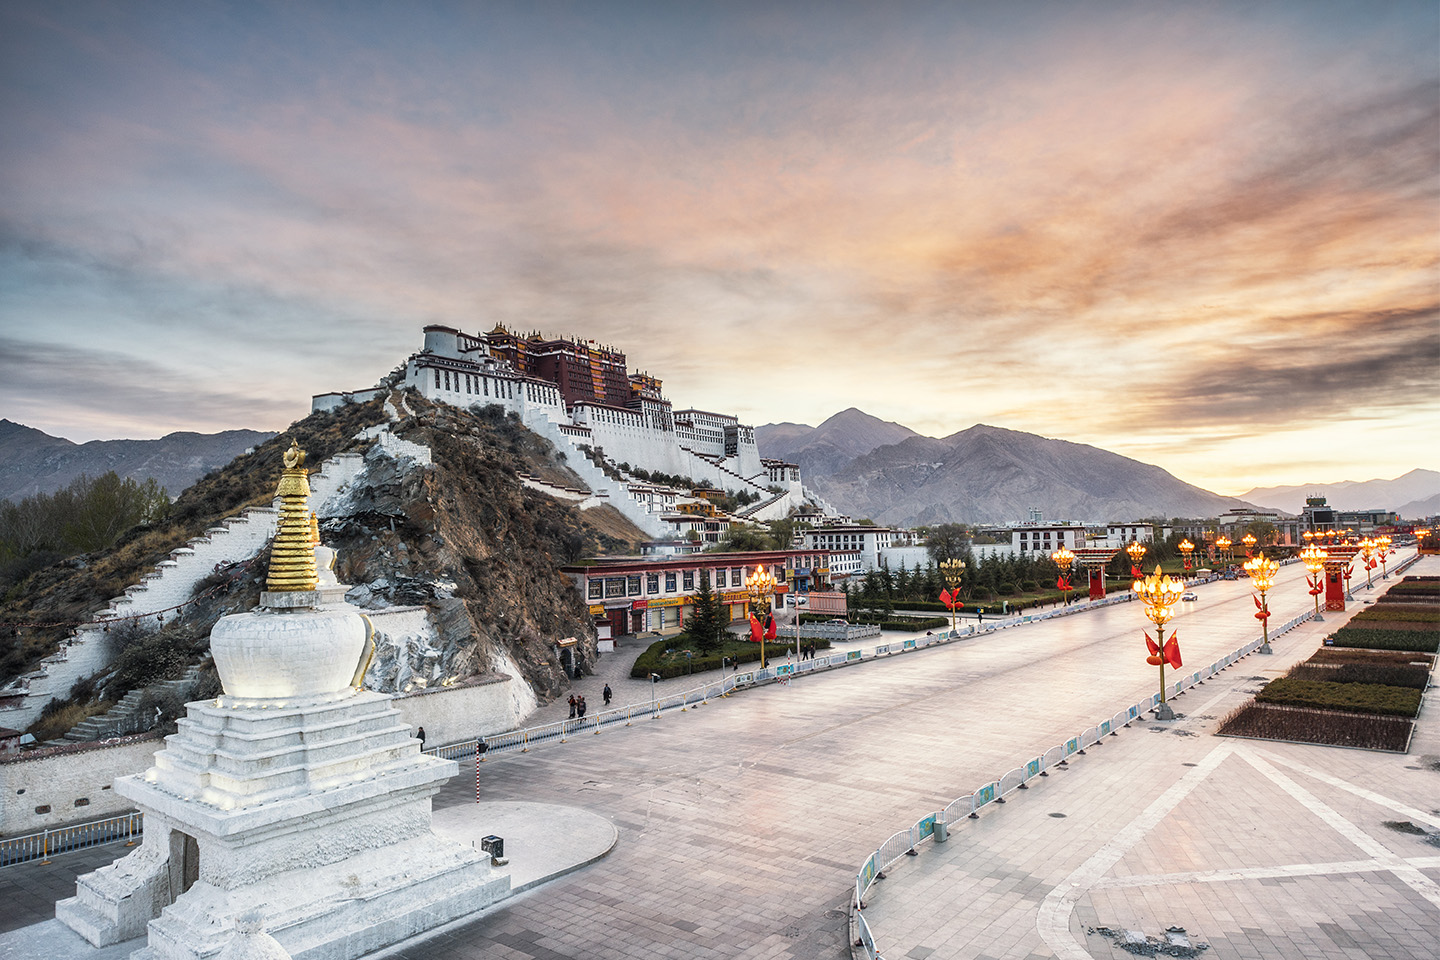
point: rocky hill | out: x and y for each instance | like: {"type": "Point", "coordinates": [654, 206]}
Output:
{"type": "Point", "coordinates": [32, 461]}
{"type": "Point", "coordinates": [461, 536]}
{"type": "Point", "coordinates": [989, 475]}
{"type": "Point", "coordinates": [823, 450]}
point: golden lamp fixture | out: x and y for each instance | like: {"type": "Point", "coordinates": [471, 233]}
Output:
{"type": "Point", "coordinates": [292, 558]}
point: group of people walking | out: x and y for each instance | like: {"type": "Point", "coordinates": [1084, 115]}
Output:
{"type": "Point", "coordinates": [577, 703]}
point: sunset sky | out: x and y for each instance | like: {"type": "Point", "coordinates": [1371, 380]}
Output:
{"type": "Point", "coordinates": [1205, 235]}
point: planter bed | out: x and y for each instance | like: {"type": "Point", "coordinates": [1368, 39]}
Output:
{"type": "Point", "coordinates": [1345, 697]}
{"type": "Point", "coordinates": [1359, 655]}
{"type": "Point", "coordinates": [1413, 676]}
{"type": "Point", "coordinates": [1274, 722]}
{"type": "Point", "coordinates": [1408, 613]}
{"type": "Point", "coordinates": [1422, 640]}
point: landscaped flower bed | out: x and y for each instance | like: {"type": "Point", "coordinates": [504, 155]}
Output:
{"type": "Point", "coordinates": [1415, 676]}
{"type": "Point", "coordinates": [1275, 722]}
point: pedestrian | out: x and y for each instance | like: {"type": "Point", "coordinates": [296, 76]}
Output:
{"type": "Point", "coordinates": [420, 735]}
{"type": "Point", "coordinates": [606, 694]}
{"type": "Point", "coordinates": [573, 704]}
{"type": "Point", "coordinates": [580, 708]}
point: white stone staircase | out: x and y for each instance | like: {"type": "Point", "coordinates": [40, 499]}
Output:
{"type": "Point", "coordinates": [173, 581]}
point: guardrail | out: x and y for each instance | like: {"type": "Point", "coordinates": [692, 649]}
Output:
{"type": "Point", "coordinates": [935, 826]}
{"type": "Point", "coordinates": [39, 846]}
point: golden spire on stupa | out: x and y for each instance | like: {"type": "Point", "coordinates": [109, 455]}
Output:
{"type": "Point", "coordinates": [292, 558]}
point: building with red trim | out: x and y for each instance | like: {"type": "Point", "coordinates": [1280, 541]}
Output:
{"type": "Point", "coordinates": [639, 594]}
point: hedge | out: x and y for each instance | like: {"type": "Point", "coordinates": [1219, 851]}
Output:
{"type": "Point", "coordinates": [1348, 697]}
{"type": "Point", "coordinates": [1395, 611]}
{"type": "Point", "coordinates": [1357, 655]}
{"type": "Point", "coordinates": [651, 660]}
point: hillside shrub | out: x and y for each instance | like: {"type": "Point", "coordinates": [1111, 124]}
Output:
{"type": "Point", "coordinates": [1347, 697]}
{"type": "Point", "coordinates": [1420, 640]}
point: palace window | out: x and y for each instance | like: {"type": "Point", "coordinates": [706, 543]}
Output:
{"type": "Point", "coordinates": [652, 583]}
{"type": "Point", "coordinates": [635, 586]}
{"type": "Point", "coordinates": [615, 587]}
{"type": "Point", "coordinates": [669, 583]}
{"type": "Point", "coordinates": [689, 580]}
{"type": "Point", "coordinates": [596, 589]}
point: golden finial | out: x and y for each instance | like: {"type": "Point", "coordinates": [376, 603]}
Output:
{"type": "Point", "coordinates": [292, 557]}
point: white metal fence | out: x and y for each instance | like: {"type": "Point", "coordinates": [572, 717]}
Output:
{"type": "Point", "coordinates": [39, 846]}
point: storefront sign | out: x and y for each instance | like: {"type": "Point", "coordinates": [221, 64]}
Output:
{"type": "Point", "coordinates": [639, 604]}
{"type": "Point", "coordinates": [596, 610]}
{"type": "Point", "coordinates": [740, 597]}
{"type": "Point", "coordinates": [664, 602]}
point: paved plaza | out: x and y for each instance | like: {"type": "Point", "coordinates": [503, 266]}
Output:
{"type": "Point", "coordinates": [741, 823]}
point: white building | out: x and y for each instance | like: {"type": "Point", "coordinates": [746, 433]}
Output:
{"type": "Point", "coordinates": [1030, 537]}
{"type": "Point", "coordinates": [640, 429]}
{"type": "Point", "coordinates": [870, 541]}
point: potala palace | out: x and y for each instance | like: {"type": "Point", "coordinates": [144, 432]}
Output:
{"type": "Point", "coordinates": [606, 419]}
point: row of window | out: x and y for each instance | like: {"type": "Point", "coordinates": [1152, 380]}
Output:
{"type": "Point", "coordinates": [610, 588]}
{"type": "Point", "coordinates": [480, 386]}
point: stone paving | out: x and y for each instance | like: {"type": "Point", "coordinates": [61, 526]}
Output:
{"type": "Point", "coordinates": [742, 822]}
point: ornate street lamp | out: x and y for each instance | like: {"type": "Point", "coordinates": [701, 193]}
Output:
{"type": "Point", "coordinates": [1159, 593]}
{"type": "Point", "coordinates": [1186, 548]}
{"type": "Point", "coordinates": [1249, 541]}
{"type": "Point", "coordinates": [953, 571]}
{"type": "Point", "coordinates": [1064, 560]}
{"type": "Point", "coordinates": [1367, 550]}
{"type": "Point", "coordinates": [1385, 551]}
{"type": "Point", "coordinates": [1136, 550]}
{"type": "Point", "coordinates": [1314, 559]}
{"type": "Point", "coordinates": [1223, 543]}
{"type": "Point", "coordinates": [1262, 577]}
{"type": "Point", "coordinates": [760, 585]}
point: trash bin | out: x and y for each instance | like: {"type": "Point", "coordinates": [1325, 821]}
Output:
{"type": "Point", "coordinates": [493, 845]}
{"type": "Point", "coordinates": [942, 832]}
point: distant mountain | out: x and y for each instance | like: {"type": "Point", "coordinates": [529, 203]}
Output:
{"type": "Point", "coordinates": [1419, 509]}
{"type": "Point", "coordinates": [1398, 494]}
{"type": "Point", "coordinates": [32, 461]}
{"type": "Point", "coordinates": [989, 475]}
{"type": "Point", "coordinates": [822, 450]}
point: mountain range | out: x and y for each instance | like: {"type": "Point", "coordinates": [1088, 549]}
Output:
{"type": "Point", "coordinates": [1414, 494]}
{"type": "Point", "coordinates": [32, 461]}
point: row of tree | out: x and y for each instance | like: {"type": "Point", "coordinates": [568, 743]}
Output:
{"type": "Point", "coordinates": [88, 515]}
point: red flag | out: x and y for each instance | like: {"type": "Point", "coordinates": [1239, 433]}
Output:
{"type": "Point", "coordinates": [945, 597]}
{"type": "Point", "coordinates": [1256, 598]}
{"type": "Point", "coordinates": [1151, 644]}
{"type": "Point", "coordinates": [754, 629]}
{"type": "Point", "coordinates": [1062, 584]}
{"type": "Point", "coordinates": [1136, 573]}
{"type": "Point", "coordinates": [769, 628]}
{"type": "Point", "coordinates": [1172, 652]}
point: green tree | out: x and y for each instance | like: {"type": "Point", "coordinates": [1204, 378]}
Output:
{"type": "Point", "coordinates": [704, 625]}
{"type": "Point", "coordinates": [948, 541]}
{"type": "Point", "coordinates": [745, 538]}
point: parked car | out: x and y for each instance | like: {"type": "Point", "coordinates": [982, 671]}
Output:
{"type": "Point", "coordinates": [1189, 595]}
{"type": "Point", "coordinates": [841, 621]}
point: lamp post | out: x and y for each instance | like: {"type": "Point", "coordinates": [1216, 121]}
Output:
{"type": "Point", "coordinates": [1064, 560]}
{"type": "Point", "coordinates": [1314, 559]}
{"type": "Point", "coordinates": [1249, 541]}
{"type": "Point", "coordinates": [1136, 550]}
{"type": "Point", "coordinates": [1186, 548]}
{"type": "Point", "coordinates": [1159, 593]}
{"type": "Point", "coordinates": [760, 585]}
{"type": "Point", "coordinates": [1367, 550]}
{"type": "Point", "coordinates": [1262, 577]}
{"type": "Point", "coordinates": [953, 571]}
{"type": "Point", "coordinates": [1223, 543]}
{"type": "Point", "coordinates": [1384, 544]}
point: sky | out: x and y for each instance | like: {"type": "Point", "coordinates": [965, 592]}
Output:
{"type": "Point", "coordinates": [1204, 235]}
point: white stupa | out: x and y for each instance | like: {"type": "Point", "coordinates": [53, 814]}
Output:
{"type": "Point", "coordinates": [295, 806]}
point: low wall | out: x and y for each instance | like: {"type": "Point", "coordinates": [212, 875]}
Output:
{"type": "Point", "coordinates": [449, 714]}
{"type": "Point", "coordinates": [73, 782]}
